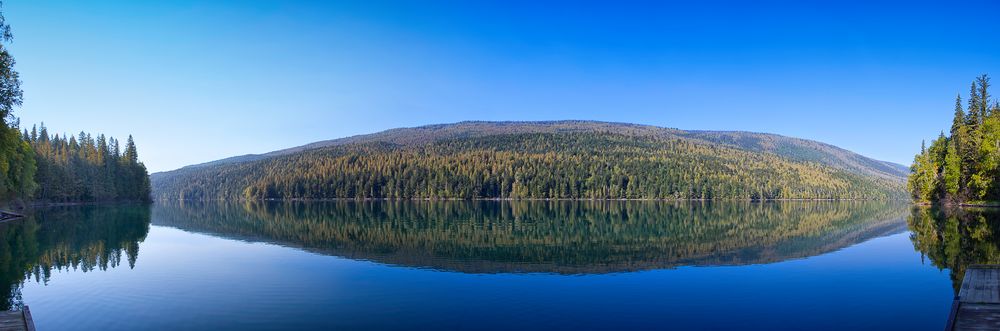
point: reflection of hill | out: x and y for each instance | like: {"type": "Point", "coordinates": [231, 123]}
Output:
{"type": "Point", "coordinates": [956, 238]}
{"type": "Point", "coordinates": [546, 236]}
{"type": "Point", "coordinates": [81, 238]}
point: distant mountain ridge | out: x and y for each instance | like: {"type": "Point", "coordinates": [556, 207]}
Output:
{"type": "Point", "coordinates": [795, 150]}
{"type": "Point", "coordinates": [804, 150]}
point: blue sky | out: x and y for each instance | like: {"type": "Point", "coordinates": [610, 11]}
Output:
{"type": "Point", "coordinates": [195, 81]}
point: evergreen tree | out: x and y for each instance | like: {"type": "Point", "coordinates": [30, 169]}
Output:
{"type": "Point", "coordinates": [17, 166]}
{"type": "Point", "coordinates": [966, 165]}
{"type": "Point", "coordinates": [983, 96]}
{"type": "Point", "coordinates": [958, 122]}
{"type": "Point", "coordinates": [973, 117]}
{"type": "Point", "coordinates": [87, 169]}
{"type": "Point", "coordinates": [131, 155]}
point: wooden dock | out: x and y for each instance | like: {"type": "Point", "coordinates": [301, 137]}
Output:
{"type": "Point", "coordinates": [977, 306]}
{"type": "Point", "coordinates": [16, 320]}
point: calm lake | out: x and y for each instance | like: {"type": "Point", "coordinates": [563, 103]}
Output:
{"type": "Point", "coordinates": [492, 265]}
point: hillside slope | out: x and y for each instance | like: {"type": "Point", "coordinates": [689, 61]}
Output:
{"type": "Point", "coordinates": [564, 159]}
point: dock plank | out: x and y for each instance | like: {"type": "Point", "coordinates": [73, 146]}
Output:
{"type": "Point", "coordinates": [12, 321]}
{"type": "Point", "coordinates": [963, 291]}
{"type": "Point", "coordinates": [29, 323]}
{"type": "Point", "coordinates": [977, 286]}
{"type": "Point", "coordinates": [977, 306]}
{"type": "Point", "coordinates": [980, 286]}
{"type": "Point", "coordinates": [990, 291]}
{"type": "Point", "coordinates": [978, 316]}
{"type": "Point", "coordinates": [968, 292]}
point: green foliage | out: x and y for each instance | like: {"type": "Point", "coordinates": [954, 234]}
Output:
{"type": "Point", "coordinates": [989, 162]}
{"type": "Point", "coordinates": [539, 165]}
{"type": "Point", "coordinates": [924, 181]}
{"type": "Point", "coordinates": [952, 170]}
{"type": "Point", "coordinates": [17, 164]}
{"type": "Point", "coordinates": [962, 167]}
{"type": "Point", "coordinates": [83, 168]}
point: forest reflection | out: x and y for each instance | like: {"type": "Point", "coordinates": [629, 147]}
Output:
{"type": "Point", "coordinates": [566, 237]}
{"type": "Point", "coordinates": [81, 238]}
{"type": "Point", "coordinates": [955, 238]}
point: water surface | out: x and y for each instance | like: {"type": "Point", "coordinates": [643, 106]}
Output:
{"type": "Point", "coordinates": [492, 265]}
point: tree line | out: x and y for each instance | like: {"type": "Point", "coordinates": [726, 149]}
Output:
{"type": "Point", "coordinates": [565, 165]}
{"type": "Point", "coordinates": [86, 168]}
{"type": "Point", "coordinates": [65, 168]}
{"type": "Point", "coordinates": [962, 166]}
{"type": "Point", "coordinates": [35, 165]}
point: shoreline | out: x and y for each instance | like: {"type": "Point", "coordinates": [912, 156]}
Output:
{"type": "Point", "coordinates": [981, 205]}
{"type": "Point", "coordinates": [978, 204]}
{"type": "Point", "coordinates": [7, 212]}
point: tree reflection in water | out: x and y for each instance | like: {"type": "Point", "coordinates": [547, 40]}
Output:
{"type": "Point", "coordinates": [954, 238]}
{"type": "Point", "coordinates": [82, 238]}
{"type": "Point", "coordinates": [568, 237]}
{"type": "Point", "coordinates": [564, 237]}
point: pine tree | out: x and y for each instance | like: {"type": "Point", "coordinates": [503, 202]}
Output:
{"type": "Point", "coordinates": [959, 120]}
{"type": "Point", "coordinates": [958, 152]}
{"type": "Point", "coordinates": [131, 155]}
{"type": "Point", "coordinates": [983, 96]}
{"type": "Point", "coordinates": [973, 117]}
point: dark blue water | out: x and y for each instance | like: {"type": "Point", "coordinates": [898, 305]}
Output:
{"type": "Point", "coordinates": [490, 266]}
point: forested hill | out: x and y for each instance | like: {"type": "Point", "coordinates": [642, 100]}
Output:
{"type": "Point", "coordinates": [564, 159]}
